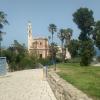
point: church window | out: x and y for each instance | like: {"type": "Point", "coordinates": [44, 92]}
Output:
{"type": "Point", "coordinates": [40, 43]}
{"type": "Point", "coordinates": [40, 55]}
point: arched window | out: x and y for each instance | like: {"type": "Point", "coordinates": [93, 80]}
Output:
{"type": "Point", "coordinates": [40, 43]}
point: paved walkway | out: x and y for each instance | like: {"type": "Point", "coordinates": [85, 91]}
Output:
{"type": "Point", "coordinates": [25, 85]}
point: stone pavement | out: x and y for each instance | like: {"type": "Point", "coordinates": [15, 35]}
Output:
{"type": "Point", "coordinates": [25, 85]}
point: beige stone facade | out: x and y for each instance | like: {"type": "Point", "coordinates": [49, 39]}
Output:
{"type": "Point", "coordinates": [38, 46]}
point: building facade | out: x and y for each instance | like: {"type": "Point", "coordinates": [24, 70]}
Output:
{"type": "Point", "coordinates": [38, 46]}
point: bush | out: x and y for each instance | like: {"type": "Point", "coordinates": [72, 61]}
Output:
{"type": "Point", "coordinates": [44, 61]}
{"type": "Point", "coordinates": [98, 58]}
{"type": "Point", "coordinates": [26, 63]}
{"type": "Point", "coordinates": [87, 52]}
{"type": "Point", "coordinates": [48, 61]}
{"type": "Point", "coordinates": [58, 60]}
{"type": "Point", "coordinates": [12, 66]}
{"type": "Point", "coordinates": [73, 60]}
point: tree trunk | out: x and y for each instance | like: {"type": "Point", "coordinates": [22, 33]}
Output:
{"type": "Point", "coordinates": [52, 49]}
{"type": "Point", "coordinates": [52, 36]}
{"type": "Point", "coordinates": [62, 50]}
{"type": "Point", "coordinates": [0, 49]}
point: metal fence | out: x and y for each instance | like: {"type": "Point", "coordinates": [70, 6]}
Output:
{"type": "Point", "coordinates": [3, 66]}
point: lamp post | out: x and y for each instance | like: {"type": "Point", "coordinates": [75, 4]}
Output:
{"type": "Point", "coordinates": [0, 44]}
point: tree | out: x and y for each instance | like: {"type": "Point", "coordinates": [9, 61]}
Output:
{"type": "Point", "coordinates": [53, 49]}
{"type": "Point", "coordinates": [18, 57]}
{"type": "Point", "coordinates": [96, 34]}
{"type": "Point", "coordinates": [61, 36]}
{"type": "Point", "coordinates": [52, 29]}
{"type": "Point", "coordinates": [19, 48]}
{"type": "Point", "coordinates": [73, 48]}
{"type": "Point", "coordinates": [83, 17]}
{"type": "Point", "coordinates": [3, 21]}
{"type": "Point", "coordinates": [67, 34]}
{"type": "Point", "coordinates": [17, 52]}
{"type": "Point", "coordinates": [87, 52]}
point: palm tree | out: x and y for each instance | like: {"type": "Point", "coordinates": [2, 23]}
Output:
{"type": "Point", "coordinates": [3, 21]}
{"type": "Point", "coordinates": [68, 34]}
{"type": "Point", "coordinates": [52, 29]}
{"type": "Point", "coordinates": [61, 36]}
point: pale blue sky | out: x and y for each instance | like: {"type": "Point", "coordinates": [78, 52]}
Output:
{"type": "Point", "coordinates": [41, 13]}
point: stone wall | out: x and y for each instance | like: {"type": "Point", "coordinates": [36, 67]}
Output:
{"type": "Point", "coordinates": [63, 90]}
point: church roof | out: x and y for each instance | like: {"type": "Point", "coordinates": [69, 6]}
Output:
{"type": "Point", "coordinates": [40, 38]}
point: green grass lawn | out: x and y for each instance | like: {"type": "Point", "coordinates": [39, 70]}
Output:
{"type": "Point", "coordinates": [84, 78]}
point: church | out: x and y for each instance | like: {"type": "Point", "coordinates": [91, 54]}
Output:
{"type": "Point", "coordinates": [38, 46]}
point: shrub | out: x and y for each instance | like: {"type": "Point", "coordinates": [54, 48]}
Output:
{"type": "Point", "coordinates": [26, 63]}
{"type": "Point", "coordinates": [87, 52]}
{"type": "Point", "coordinates": [73, 60]}
{"type": "Point", "coordinates": [98, 58]}
{"type": "Point", "coordinates": [44, 61]}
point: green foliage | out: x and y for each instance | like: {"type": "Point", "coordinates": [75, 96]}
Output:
{"type": "Point", "coordinates": [3, 21]}
{"type": "Point", "coordinates": [17, 57]}
{"type": "Point", "coordinates": [58, 60]}
{"type": "Point", "coordinates": [98, 58]}
{"type": "Point", "coordinates": [48, 60]}
{"type": "Point", "coordinates": [26, 63]}
{"type": "Point", "coordinates": [96, 35]}
{"type": "Point", "coordinates": [73, 48]}
{"type": "Point", "coordinates": [83, 17]}
{"type": "Point", "coordinates": [53, 49]}
{"type": "Point", "coordinates": [61, 36]}
{"type": "Point", "coordinates": [12, 66]}
{"type": "Point", "coordinates": [68, 33]}
{"type": "Point", "coordinates": [67, 36]}
{"type": "Point", "coordinates": [19, 48]}
{"type": "Point", "coordinates": [52, 29]}
{"type": "Point", "coordinates": [73, 60]}
{"type": "Point", "coordinates": [86, 52]}
{"type": "Point", "coordinates": [44, 62]}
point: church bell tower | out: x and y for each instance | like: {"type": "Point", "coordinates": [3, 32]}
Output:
{"type": "Point", "coordinates": [30, 38]}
